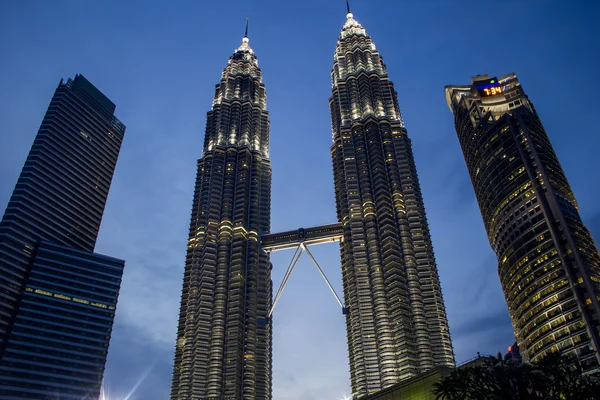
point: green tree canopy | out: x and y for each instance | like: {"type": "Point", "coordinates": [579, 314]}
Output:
{"type": "Point", "coordinates": [554, 378]}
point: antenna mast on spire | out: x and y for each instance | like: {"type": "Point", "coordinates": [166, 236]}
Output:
{"type": "Point", "coordinates": [246, 34]}
{"type": "Point", "coordinates": [348, 6]}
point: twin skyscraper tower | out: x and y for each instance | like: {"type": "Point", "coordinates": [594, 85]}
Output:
{"type": "Point", "coordinates": [395, 317]}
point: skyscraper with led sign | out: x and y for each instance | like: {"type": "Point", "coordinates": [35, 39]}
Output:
{"type": "Point", "coordinates": [548, 263]}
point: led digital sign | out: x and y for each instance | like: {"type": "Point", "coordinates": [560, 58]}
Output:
{"type": "Point", "coordinates": [491, 91]}
{"type": "Point", "coordinates": [488, 87]}
{"type": "Point", "coordinates": [63, 297]}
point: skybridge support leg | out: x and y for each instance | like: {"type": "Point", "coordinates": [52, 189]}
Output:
{"type": "Point", "coordinates": [289, 271]}
{"type": "Point", "coordinates": [344, 310]}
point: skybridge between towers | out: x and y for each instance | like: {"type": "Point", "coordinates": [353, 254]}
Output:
{"type": "Point", "coordinates": [300, 239]}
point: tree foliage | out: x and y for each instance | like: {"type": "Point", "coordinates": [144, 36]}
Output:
{"type": "Point", "coordinates": [553, 378]}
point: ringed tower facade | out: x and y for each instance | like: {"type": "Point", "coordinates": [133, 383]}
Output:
{"type": "Point", "coordinates": [548, 262]}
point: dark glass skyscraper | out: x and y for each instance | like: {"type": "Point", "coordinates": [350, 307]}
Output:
{"type": "Point", "coordinates": [223, 348]}
{"type": "Point", "coordinates": [57, 298]}
{"type": "Point", "coordinates": [548, 263]}
{"type": "Point", "coordinates": [397, 325]}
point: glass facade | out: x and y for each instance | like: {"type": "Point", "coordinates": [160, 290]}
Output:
{"type": "Point", "coordinates": [548, 263]}
{"type": "Point", "coordinates": [59, 198]}
{"type": "Point", "coordinates": [396, 326]}
{"type": "Point", "coordinates": [223, 348]}
{"type": "Point", "coordinates": [59, 340]}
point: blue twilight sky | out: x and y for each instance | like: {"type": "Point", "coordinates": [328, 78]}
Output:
{"type": "Point", "coordinates": [159, 62]}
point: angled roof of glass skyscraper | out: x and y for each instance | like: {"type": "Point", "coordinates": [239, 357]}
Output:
{"type": "Point", "coordinates": [47, 236]}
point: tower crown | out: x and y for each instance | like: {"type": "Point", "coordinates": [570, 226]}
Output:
{"type": "Point", "coordinates": [245, 46]}
{"type": "Point", "coordinates": [244, 52]}
{"type": "Point", "coordinates": [352, 27]}
{"type": "Point", "coordinates": [355, 51]}
{"type": "Point", "coordinates": [241, 93]}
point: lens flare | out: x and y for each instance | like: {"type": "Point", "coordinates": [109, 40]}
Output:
{"type": "Point", "coordinates": [129, 396]}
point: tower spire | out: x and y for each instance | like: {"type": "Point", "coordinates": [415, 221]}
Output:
{"type": "Point", "coordinates": [245, 40]}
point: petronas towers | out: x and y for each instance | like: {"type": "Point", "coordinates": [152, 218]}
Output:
{"type": "Point", "coordinates": [395, 317]}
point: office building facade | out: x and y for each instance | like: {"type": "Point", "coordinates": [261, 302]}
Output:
{"type": "Point", "coordinates": [59, 339]}
{"type": "Point", "coordinates": [224, 341]}
{"type": "Point", "coordinates": [548, 263]}
{"type": "Point", "coordinates": [396, 326]}
{"type": "Point", "coordinates": [47, 237]}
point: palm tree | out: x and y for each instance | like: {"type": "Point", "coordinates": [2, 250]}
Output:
{"type": "Point", "coordinates": [553, 378]}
